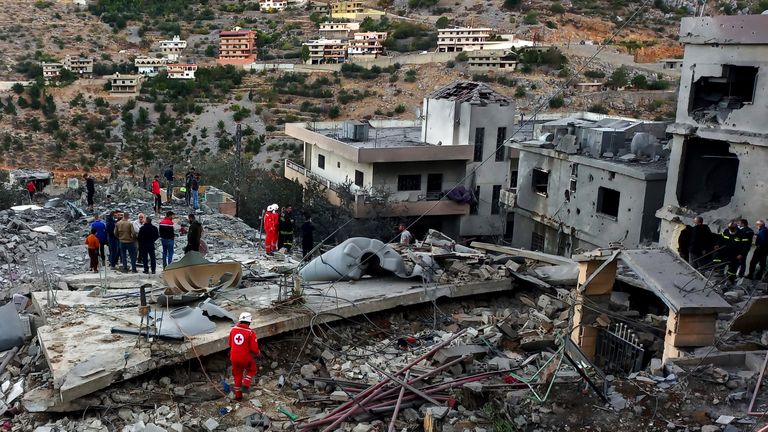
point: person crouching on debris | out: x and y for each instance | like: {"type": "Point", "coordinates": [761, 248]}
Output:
{"type": "Point", "coordinates": [93, 244]}
{"type": "Point", "coordinates": [243, 342]}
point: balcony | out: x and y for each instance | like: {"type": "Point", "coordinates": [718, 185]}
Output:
{"type": "Point", "coordinates": [366, 205]}
{"type": "Point", "coordinates": [507, 198]}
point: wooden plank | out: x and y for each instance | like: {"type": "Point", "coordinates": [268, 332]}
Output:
{"type": "Point", "coordinates": [537, 256]}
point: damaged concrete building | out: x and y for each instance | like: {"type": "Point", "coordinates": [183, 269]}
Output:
{"type": "Point", "coordinates": [588, 181]}
{"type": "Point", "coordinates": [460, 126]}
{"type": "Point", "coordinates": [720, 136]}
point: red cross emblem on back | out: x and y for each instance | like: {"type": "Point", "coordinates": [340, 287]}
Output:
{"type": "Point", "coordinates": [239, 339]}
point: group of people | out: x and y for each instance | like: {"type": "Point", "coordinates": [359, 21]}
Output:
{"type": "Point", "coordinates": [190, 189]}
{"type": "Point", "coordinates": [279, 230]}
{"type": "Point", "coordinates": [729, 249]}
{"type": "Point", "coordinates": [124, 237]}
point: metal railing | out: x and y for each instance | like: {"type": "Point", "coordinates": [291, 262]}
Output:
{"type": "Point", "coordinates": [618, 350]}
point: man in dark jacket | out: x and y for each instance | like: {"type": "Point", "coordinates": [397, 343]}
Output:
{"type": "Point", "coordinates": [188, 186]}
{"type": "Point", "coordinates": [112, 241]}
{"type": "Point", "coordinates": [700, 243]}
{"type": "Point", "coordinates": [101, 234]}
{"type": "Point", "coordinates": [168, 174]}
{"type": "Point", "coordinates": [729, 250]}
{"type": "Point", "coordinates": [286, 228]}
{"type": "Point", "coordinates": [307, 235]}
{"type": "Point", "coordinates": [148, 235]}
{"type": "Point", "coordinates": [167, 236]}
{"type": "Point", "coordinates": [90, 188]}
{"type": "Point", "coordinates": [194, 235]}
{"type": "Point", "coordinates": [761, 252]}
{"type": "Point", "coordinates": [746, 236]}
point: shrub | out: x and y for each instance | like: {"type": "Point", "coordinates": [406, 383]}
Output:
{"type": "Point", "coordinates": [442, 22]}
{"type": "Point", "coordinates": [598, 108]}
{"type": "Point", "coordinates": [556, 102]}
{"type": "Point", "coordinates": [520, 91]}
{"type": "Point", "coordinates": [557, 8]}
{"type": "Point", "coordinates": [595, 74]}
{"type": "Point", "coordinates": [639, 81]}
{"type": "Point", "coordinates": [450, 64]}
{"type": "Point", "coordinates": [531, 18]}
{"type": "Point", "coordinates": [462, 57]}
{"type": "Point", "coordinates": [400, 109]}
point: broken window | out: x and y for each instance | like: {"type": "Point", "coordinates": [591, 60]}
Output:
{"type": "Point", "coordinates": [540, 181]}
{"type": "Point", "coordinates": [501, 136]}
{"type": "Point", "coordinates": [513, 179]}
{"type": "Point", "coordinates": [537, 241]}
{"type": "Point", "coordinates": [479, 141]}
{"type": "Point", "coordinates": [608, 201]}
{"type": "Point", "coordinates": [495, 195]}
{"type": "Point", "coordinates": [359, 178]}
{"type": "Point", "coordinates": [708, 174]}
{"type": "Point", "coordinates": [409, 182]}
{"type": "Point", "coordinates": [321, 161]}
{"type": "Point", "coordinates": [713, 95]}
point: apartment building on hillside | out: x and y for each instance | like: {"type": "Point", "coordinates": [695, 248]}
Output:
{"type": "Point", "coordinates": [236, 47]}
{"type": "Point", "coordinates": [182, 71]}
{"type": "Point", "coordinates": [51, 70]}
{"type": "Point", "coordinates": [324, 51]}
{"type": "Point", "coordinates": [367, 44]}
{"type": "Point", "coordinates": [272, 5]}
{"type": "Point", "coordinates": [353, 10]}
{"type": "Point", "coordinates": [150, 66]}
{"type": "Point", "coordinates": [720, 136]}
{"type": "Point", "coordinates": [459, 39]}
{"type": "Point", "coordinates": [80, 66]}
{"type": "Point", "coordinates": [428, 166]}
{"type": "Point", "coordinates": [338, 30]}
{"type": "Point", "coordinates": [171, 49]}
{"type": "Point", "coordinates": [121, 84]}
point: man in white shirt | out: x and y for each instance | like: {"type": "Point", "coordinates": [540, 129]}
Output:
{"type": "Point", "coordinates": [405, 236]}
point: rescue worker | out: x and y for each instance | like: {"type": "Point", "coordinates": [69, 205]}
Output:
{"type": "Point", "coordinates": [746, 235]}
{"type": "Point", "coordinates": [761, 252]}
{"type": "Point", "coordinates": [156, 193]}
{"type": "Point", "coordinates": [271, 222]}
{"type": "Point", "coordinates": [700, 243]}
{"type": "Point", "coordinates": [287, 226]}
{"type": "Point", "coordinates": [728, 250]}
{"type": "Point", "coordinates": [243, 342]}
{"type": "Point", "coordinates": [31, 189]}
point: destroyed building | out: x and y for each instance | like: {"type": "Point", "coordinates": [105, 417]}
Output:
{"type": "Point", "coordinates": [719, 143]}
{"type": "Point", "coordinates": [459, 126]}
{"type": "Point", "coordinates": [588, 181]}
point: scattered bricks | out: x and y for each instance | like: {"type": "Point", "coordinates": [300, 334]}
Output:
{"type": "Point", "coordinates": [512, 266]}
{"type": "Point", "coordinates": [527, 301]}
{"type": "Point", "coordinates": [459, 267]}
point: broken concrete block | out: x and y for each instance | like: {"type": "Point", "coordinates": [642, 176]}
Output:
{"type": "Point", "coordinates": [656, 367]}
{"type": "Point", "coordinates": [339, 396]}
{"type": "Point", "coordinates": [151, 427]}
{"type": "Point", "coordinates": [362, 427]}
{"type": "Point", "coordinates": [603, 320]}
{"type": "Point", "coordinates": [512, 266]}
{"type": "Point", "coordinates": [620, 298]}
{"type": "Point", "coordinates": [308, 371]}
{"type": "Point", "coordinates": [411, 415]}
{"type": "Point", "coordinates": [210, 425]}
{"type": "Point", "coordinates": [446, 355]}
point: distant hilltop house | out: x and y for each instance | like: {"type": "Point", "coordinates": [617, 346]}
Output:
{"type": "Point", "coordinates": [80, 66]}
{"type": "Point", "coordinates": [121, 84]}
{"type": "Point", "coordinates": [460, 39]}
{"type": "Point", "coordinates": [150, 66]}
{"type": "Point", "coordinates": [325, 51]}
{"type": "Point", "coordinates": [272, 5]}
{"type": "Point", "coordinates": [171, 49]}
{"type": "Point", "coordinates": [338, 30]}
{"type": "Point", "coordinates": [236, 47]}
{"type": "Point", "coordinates": [353, 10]}
{"type": "Point", "coordinates": [367, 44]}
{"type": "Point", "coordinates": [182, 71]}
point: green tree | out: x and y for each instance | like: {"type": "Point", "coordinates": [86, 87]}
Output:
{"type": "Point", "coordinates": [18, 88]}
{"type": "Point", "coordinates": [442, 22]}
{"type": "Point", "coordinates": [619, 77]}
{"type": "Point", "coordinates": [557, 8]}
{"type": "Point", "coordinates": [639, 82]}
{"type": "Point", "coordinates": [531, 18]}
{"type": "Point", "coordinates": [556, 102]}
{"type": "Point", "coordinates": [304, 53]}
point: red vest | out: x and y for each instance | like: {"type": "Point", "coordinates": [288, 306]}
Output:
{"type": "Point", "coordinates": [242, 342]}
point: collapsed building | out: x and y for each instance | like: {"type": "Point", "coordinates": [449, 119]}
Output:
{"type": "Point", "coordinates": [719, 143]}
{"type": "Point", "coordinates": [588, 181]}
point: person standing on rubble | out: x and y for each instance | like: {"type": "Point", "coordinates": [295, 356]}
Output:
{"type": "Point", "coordinates": [307, 235]}
{"type": "Point", "coordinates": [168, 174]}
{"type": "Point", "coordinates": [127, 236]}
{"type": "Point", "coordinates": [137, 224]}
{"type": "Point", "coordinates": [167, 231]}
{"type": "Point", "coordinates": [761, 252]}
{"type": "Point", "coordinates": [700, 243]}
{"type": "Point", "coordinates": [112, 241]}
{"type": "Point", "coordinates": [195, 186]}
{"type": "Point", "coordinates": [194, 234]}
{"type": "Point", "coordinates": [243, 342]}
{"type": "Point", "coordinates": [728, 251]}
{"type": "Point", "coordinates": [156, 194]}
{"type": "Point", "coordinates": [287, 227]}
{"type": "Point", "coordinates": [188, 186]}
{"type": "Point", "coordinates": [271, 221]}
{"type": "Point", "coordinates": [90, 189]}
{"type": "Point", "coordinates": [92, 242]}
{"type": "Point", "coordinates": [746, 236]}
{"type": "Point", "coordinates": [31, 189]}
{"type": "Point", "coordinates": [405, 236]}
{"type": "Point", "coordinates": [101, 234]}
{"type": "Point", "coordinates": [148, 236]}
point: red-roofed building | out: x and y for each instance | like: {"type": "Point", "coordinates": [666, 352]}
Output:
{"type": "Point", "coordinates": [236, 47]}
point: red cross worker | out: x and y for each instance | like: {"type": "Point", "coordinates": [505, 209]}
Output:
{"type": "Point", "coordinates": [243, 342]}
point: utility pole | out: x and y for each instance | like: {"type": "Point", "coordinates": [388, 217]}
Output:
{"type": "Point", "coordinates": [239, 167]}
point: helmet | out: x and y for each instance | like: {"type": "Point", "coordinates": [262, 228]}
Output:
{"type": "Point", "coordinates": [275, 207]}
{"type": "Point", "coordinates": [245, 317]}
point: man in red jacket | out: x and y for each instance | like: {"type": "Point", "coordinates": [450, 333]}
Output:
{"type": "Point", "coordinates": [243, 342]}
{"type": "Point", "coordinates": [156, 194]}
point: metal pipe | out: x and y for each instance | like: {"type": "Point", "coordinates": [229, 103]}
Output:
{"type": "Point", "coordinates": [348, 408]}
{"type": "Point", "coordinates": [429, 374]}
{"type": "Point", "coordinates": [397, 405]}
{"type": "Point", "coordinates": [411, 388]}
{"type": "Point", "coordinates": [8, 357]}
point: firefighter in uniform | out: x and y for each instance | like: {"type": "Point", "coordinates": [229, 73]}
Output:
{"type": "Point", "coordinates": [746, 235]}
{"type": "Point", "coordinates": [243, 342]}
{"type": "Point", "coordinates": [729, 250]}
{"type": "Point", "coordinates": [287, 226]}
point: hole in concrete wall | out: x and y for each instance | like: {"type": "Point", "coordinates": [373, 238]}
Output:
{"type": "Point", "coordinates": [540, 181]}
{"type": "Point", "coordinates": [608, 201]}
{"type": "Point", "coordinates": [371, 265]}
{"type": "Point", "coordinates": [712, 96]}
{"type": "Point", "coordinates": [708, 174]}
